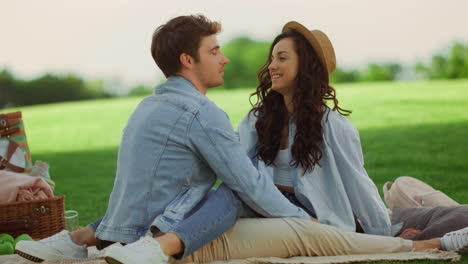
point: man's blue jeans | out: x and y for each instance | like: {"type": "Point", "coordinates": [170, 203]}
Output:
{"type": "Point", "coordinates": [213, 216]}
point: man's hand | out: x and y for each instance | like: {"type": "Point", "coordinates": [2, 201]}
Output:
{"type": "Point", "coordinates": [315, 220]}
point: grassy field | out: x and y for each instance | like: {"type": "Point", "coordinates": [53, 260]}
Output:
{"type": "Point", "coordinates": [418, 129]}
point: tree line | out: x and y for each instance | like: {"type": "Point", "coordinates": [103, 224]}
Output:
{"type": "Point", "coordinates": [48, 88]}
{"type": "Point", "coordinates": [247, 57]}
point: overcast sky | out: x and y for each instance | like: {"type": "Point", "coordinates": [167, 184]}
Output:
{"type": "Point", "coordinates": [111, 38]}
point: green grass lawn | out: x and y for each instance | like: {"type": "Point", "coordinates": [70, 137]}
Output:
{"type": "Point", "coordinates": [418, 129]}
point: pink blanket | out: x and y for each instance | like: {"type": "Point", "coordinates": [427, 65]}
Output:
{"type": "Point", "coordinates": [22, 187]}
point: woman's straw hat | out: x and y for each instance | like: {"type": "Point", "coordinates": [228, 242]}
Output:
{"type": "Point", "coordinates": [319, 42]}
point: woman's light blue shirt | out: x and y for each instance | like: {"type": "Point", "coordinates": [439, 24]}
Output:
{"type": "Point", "coordinates": [340, 186]}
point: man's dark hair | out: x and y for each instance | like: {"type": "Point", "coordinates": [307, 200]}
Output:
{"type": "Point", "coordinates": [179, 35]}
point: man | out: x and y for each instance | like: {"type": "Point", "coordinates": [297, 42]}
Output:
{"type": "Point", "coordinates": [174, 147]}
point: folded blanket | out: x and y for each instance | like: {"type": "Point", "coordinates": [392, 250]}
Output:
{"type": "Point", "coordinates": [21, 187]}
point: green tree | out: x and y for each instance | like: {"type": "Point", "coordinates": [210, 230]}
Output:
{"type": "Point", "coordinates": [458, 61]}
{"type": "Point", "coordinates": [437, 69]}
{"type": "Point", "coordinates": [140, 90]}
{"type": "Point", "coordinates": [51, 88]}
{"type": "Point", "coordinates": [7, 84]}
{"type": "Point", "coordinates": [380, 72]}
{"type": "Point", "coordinates": [95, 89]}
{"type": "Point", "coordinates": [342, 76]}
{"type": "Point", "coordinates": [246, 57]}
{"type": "Point", "coordinates": [452, 64]}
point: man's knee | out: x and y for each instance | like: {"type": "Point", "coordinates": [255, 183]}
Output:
{"type": "Point", "coordinates": [225, 193]}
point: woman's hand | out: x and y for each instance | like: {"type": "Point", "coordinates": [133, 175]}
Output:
{"type": "Point", "coordinates": [410, 232]}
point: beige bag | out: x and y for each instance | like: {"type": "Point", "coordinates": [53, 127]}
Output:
{"type": "Point", "coordinates": [408, 191]}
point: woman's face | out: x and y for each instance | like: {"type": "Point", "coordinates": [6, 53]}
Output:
{"type": "Point", "coordinates": [283, 67]}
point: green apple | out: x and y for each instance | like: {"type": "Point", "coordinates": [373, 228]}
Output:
{"type": "Point", "coordinates": [7, 237]}
{"type": "Point", "coordinates": [6, 248]}
{"type": "Point", "coordinates": [22, 237]}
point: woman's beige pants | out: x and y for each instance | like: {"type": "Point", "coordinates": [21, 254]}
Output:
{"type": "Point", "coordinates": [290, 237]}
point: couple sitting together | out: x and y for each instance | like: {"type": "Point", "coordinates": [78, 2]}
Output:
{"type": "Point", "coordinates": [293, 177]}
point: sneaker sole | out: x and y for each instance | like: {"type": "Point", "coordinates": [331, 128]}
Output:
{"type": "Point", "coordinates": [28, 257]}
{"type": "Point", "coordinates": [111, 260]}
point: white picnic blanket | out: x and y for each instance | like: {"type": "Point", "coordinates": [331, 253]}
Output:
{"type": "Point", "coordinates": [407, 256]}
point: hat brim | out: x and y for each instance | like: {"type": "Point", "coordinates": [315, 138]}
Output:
{"type": "Point", "coordinates": [319, 41]}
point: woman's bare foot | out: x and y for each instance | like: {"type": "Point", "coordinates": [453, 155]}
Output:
{"type": "Point", "coordinates": [427, 244]}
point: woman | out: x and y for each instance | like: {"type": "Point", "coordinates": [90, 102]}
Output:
{"type": "Point", "coordinates": [312, 152]}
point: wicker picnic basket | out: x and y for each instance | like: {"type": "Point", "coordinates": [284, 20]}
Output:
{"type": "Point", "coordinates": [39, 218]}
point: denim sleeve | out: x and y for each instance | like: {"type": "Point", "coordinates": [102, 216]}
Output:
{"type": "Point", "coordinates": [212, 137]}
{"type": "Point", "coordinates": [248, 137]}
{"type": "Point", "coordinates": [365, 200]}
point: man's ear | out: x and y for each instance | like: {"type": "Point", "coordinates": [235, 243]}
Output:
{"type": "Point", "coordinates": [186, 60]}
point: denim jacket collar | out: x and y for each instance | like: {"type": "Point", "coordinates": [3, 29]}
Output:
{"type": "Point", "coordinates": [179, 85]}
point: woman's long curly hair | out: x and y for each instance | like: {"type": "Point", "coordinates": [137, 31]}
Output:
{"type": "Point", "coordinates": [309, 100]}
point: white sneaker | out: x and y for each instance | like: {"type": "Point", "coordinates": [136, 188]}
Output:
{"type": "Point", "coordinates": [56, 247]}
{"type": "Point", "coordinates": [456, 241]}
{"type": "Point", "coordinates": [144, 251]}
{"type": "Point", "coordinates": [95, 253]}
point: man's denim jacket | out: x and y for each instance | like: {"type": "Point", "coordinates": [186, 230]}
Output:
{"type": "Point", "coordinates": [175, 145]}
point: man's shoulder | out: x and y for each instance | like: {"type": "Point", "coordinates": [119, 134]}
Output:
{"type": "Point", "coordinates": [210, 113]}
{"type": "Point", "coordinates": [180, 94]}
